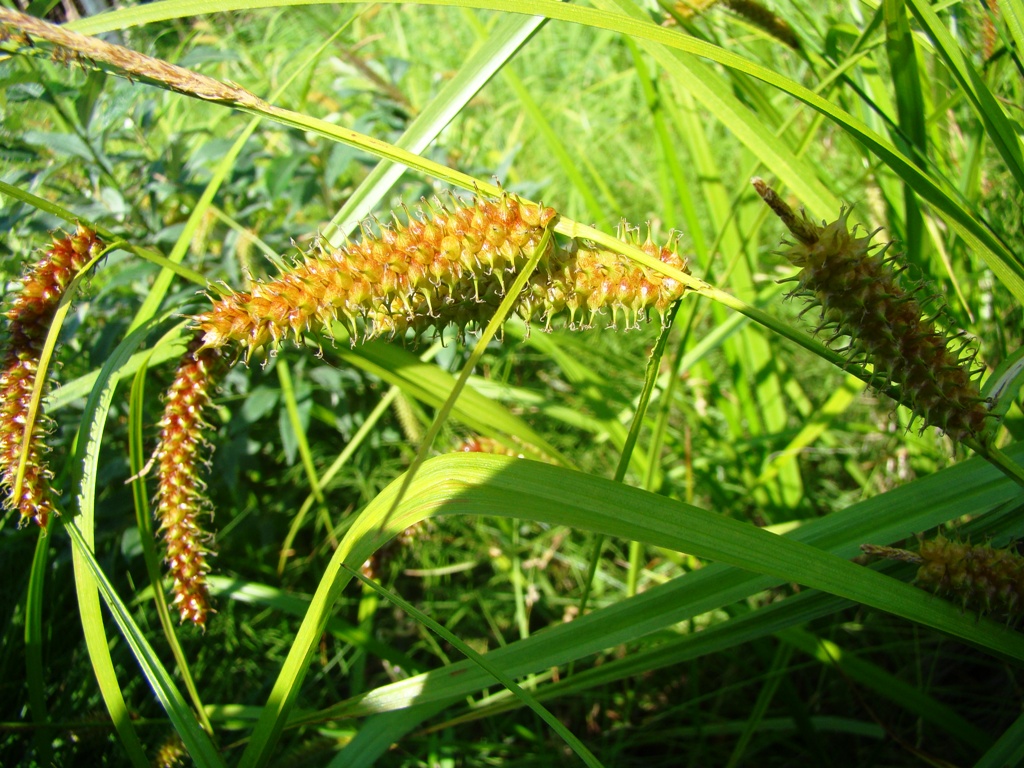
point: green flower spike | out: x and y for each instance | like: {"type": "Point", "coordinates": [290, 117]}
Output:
{"type": "Point", "coordinates": [863, 298]}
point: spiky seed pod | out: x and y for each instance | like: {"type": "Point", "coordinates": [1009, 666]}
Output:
{"type": "Point", "coordinates": [978, 576]}
{"type": "Point", "coordinates": [30, 316]}
{"type": "Point", "coordinates": [443, 268]}
{"type": "Point", "coordinates": [171, 754]}
{"type": "Point", "coordinates": [180, 498]}
{"type": "Point", "coordinates": [863, 298]}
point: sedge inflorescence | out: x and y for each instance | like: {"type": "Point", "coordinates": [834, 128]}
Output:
{"type": "Point", "coordinates": [446, 267]}
{"type": "Point", "coordinates": [978, 576]}
{"type": "Point", "coordinates": [863, 299]}
{"type": "Point", "coordinates": [30, 316]}
{"type": "Point", "coordinates": [181, 500]}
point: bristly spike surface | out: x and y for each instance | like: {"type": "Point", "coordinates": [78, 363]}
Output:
{"type": "Point", "coordinates": [442, 268]}
{"type": "Point", "coordinates": [861, 292]}
{"type": "Point", "coordinates": [976, 576]}
{"type": "Point", "coordinates": [180, 499]}
{"type": "Point", "coordinates": [30, 316]}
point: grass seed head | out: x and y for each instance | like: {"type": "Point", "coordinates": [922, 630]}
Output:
{"type": "Point", "coordinates": [979, 576]}
{"type": "Point", "coordinates": [29, 319]}
{"type": "Point", "coordinates": [444, 268]}
{"type": "Point", "coordinates": [181, 499]}
{"type": "Point", "coordinates": [863, 297]}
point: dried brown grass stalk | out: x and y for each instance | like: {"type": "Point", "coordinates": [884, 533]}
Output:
{"type": "Point", "coordinates": [70, 46]}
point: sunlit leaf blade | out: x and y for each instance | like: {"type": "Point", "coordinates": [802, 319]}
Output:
{"type": "Point", "coordinates": [432, 385]}
{"type": "Point", "coordinates": [998, 128]}
{"type": "Point", "coordinates": [89, 579]}
{"type": "Point", "coordinates": [812, 555]}
{"type": "Point", "coordinates": [500, 46]}
{"type": "Point", "coordinates": [197, 742]}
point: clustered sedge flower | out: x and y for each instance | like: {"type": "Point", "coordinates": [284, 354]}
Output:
{"type": "Point", "coordinates": [30, 316]}
{"type": "Point", "coordinates": [863, 298]}
{"type": "Point", "coordinates": [443, 268]}
{"type": "Point", "coordinates": [181, 500]}
{"type": "Point", "coordinates": [978, 576]}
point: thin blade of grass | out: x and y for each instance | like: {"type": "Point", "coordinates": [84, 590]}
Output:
{"type": "Point", "coordinates": [35, 676]}
{"type": "Point", "coordinates": [158, 290]}
{"type": "Point", "coordinates": [92, 619]}
{"type": "Point", "coordinates": [199, 746]}
{"type": "Point", "coordinates": [492, 485]}
{"type": "Point", "coordinates": [998, 127]}
{"type": "Point", "coordinates": [1009, 750]}
{"type": "Point", "coordinates": [284, 376]}
{"type": "Point", "coordinates": [481, 661]}
{"type": "Point", "coordinates": [83, 385]}
{"type": "Point", "coordinates": [815, 425]}
{"type": "Point", "coordinates": [568, 165]}
{"type": "Point", "coordinates": [716, 638]}
{"type": "Point", "coordinates": [886, 685]}
{"type": "Point", "coordinates": [1013, 12]}
{"type": "Point", "coordinates": [485, 484]}
{"type": "Point", "coordinates": [90, 582]}
{"type": "Point", "coordinates": [911, 110]}
{"type": "Point", "coordinates": [498, 49]}
{"type": "Point", "coordinates": [86, 585]}
{"type": "Point", "coordinates": [296, 604]}
{"type": "Point", "coordinates": [774, 675]}
{"type": "Point", "coordinates": [917, 506]}
{"type": "Point", "coordinates": [431, 385]}
{"type": "Point", "coordinates": [1005, 264]}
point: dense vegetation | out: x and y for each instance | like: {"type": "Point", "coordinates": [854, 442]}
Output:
{"type": "Point", "coordinates": [508, 541]}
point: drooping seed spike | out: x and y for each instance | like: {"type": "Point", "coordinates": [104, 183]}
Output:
{"type": "Point", "coordinates": [975, 576]}
{"type": "Point", "coordinates": [447, 269]}
{"type": "Point", "coordinates": [29, 317]}
{"type": "Point", "coordinates": [181, 457]}
{"type": "Point", "coordinates": [884, 318]}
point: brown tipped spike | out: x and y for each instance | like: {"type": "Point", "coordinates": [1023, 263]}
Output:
{"type": "Point", "coordinates": [802, 229]}
{"type": "Point", "coordinates": [31, 314]}
{"type": "Point", "coordinates": [180, 500]}
{"type": "Point", "coordinates": [862, 295]}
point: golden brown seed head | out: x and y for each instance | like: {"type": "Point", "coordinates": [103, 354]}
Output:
{"type": "Point", "coordinates": [862, 297]}
{"type": "Point", "coordinates": [30, 316]}
{"type": "Point", "coordinates": [978, 576]}
{"type": "Point", "coordinates": [181, 500]}
{"type": "Point", "coordinates": [430, 273]}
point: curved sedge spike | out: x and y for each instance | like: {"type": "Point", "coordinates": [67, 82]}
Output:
{"type": "Point", "coordinates": [863, 298]}
{"type": "Point", "coordinates": [444, 267]}
{"type": "Point", "coordinates": [30, 316]}
{"type": "Point", "coordinates": [181, 457]}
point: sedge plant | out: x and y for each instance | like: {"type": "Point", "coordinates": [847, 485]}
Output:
{"type": "Point", "coordinates": [608, 489]}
